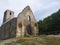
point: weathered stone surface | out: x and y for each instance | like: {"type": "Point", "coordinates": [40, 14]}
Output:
{"type": "Point", "coordinates": [8, 15]}
{"type": "Point", "coordinates": [23, 25]}
{"type": "Point", "coordinates": [8, 29]}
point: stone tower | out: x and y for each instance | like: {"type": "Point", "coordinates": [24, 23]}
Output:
{"type": "Point", "coordinates": [26, 23]}
{"type": "Point", "coordinates": [8, 15]}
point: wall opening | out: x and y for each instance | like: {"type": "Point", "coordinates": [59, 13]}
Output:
{"type": "Point", "coordinates": [10, 13]}
{"type": "Point", "coordinates": [35, 24]}
{"type": "Point", "coordinates": [29, 19]}
{"type": "Point", "coordinates": [20, 25]}
{"type": "Point", "coordinates": [29, 29]}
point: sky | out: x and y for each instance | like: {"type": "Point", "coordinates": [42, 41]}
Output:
{"type": "Point", "coordinates": [40, 8]}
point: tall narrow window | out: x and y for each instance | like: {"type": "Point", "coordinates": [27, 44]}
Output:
{"type": "Point", "coordinates": [29, 19]}
{"type": "Point", "coordinates": [10, 13]}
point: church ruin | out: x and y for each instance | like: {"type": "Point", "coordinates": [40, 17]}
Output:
{"type": "Point", "coordinates": [22, 25]}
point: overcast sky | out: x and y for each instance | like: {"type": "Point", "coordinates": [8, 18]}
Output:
{"type": "Point", "coordinates": [40, 8]}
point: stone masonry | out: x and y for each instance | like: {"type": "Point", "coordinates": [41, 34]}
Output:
{"type": "Point", "coordinates": [22, 25]}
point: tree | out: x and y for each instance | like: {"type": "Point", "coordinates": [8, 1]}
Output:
{"type": "Point", "coordinates": [50, 23]}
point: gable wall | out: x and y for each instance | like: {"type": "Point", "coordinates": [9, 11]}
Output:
{"type": "Point", "coordinates": [23, 19]}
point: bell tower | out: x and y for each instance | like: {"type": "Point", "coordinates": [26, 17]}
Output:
{"type": "Point", "coordinates": [8, 15]}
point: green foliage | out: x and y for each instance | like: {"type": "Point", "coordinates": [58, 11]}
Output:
{"type": "Point", "coordinates": [50, 23]}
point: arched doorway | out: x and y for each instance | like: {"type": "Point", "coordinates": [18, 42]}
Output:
{"type": "Point", "coordinates": [29, 29]}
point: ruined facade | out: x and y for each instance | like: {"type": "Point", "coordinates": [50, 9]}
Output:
{"type": "Point", "coordinates": [22, 25]}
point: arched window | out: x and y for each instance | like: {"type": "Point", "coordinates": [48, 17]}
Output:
{"type": "Point", "coordinates": [35, 24]}
{"type": "Point", "coordinates": [10, 13]}
{"type": "Point", "coordinates": [29, 19]}
{"type": "Point", "coordinates": [20, 25]}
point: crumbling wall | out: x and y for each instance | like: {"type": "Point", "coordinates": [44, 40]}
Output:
{"type": "Point", "coordinates": [8, 30]}
{"type": "Point", "coordinates": [28, 22]}
{"type": "Point", "coordinates": [24, 25]}
{"type": "Point", "coordinates": [8, 15]}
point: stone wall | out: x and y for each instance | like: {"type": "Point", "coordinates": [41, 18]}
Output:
{"type": "Point", "coordinates": [24, 25]}
{"type": "Point", "coordinates": [8, 15]}
{"type": "Point", "coordinates": [8, 30]}
{"type": "Point", "coordinates": [28, 25]}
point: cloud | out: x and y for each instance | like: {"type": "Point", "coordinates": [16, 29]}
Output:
{"type": "Point", "coordinates": [48, 8]}
{"type": "Point", "coordinates": [40, 8]}
{"type": "Point", "coordinates": [18, 6]}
